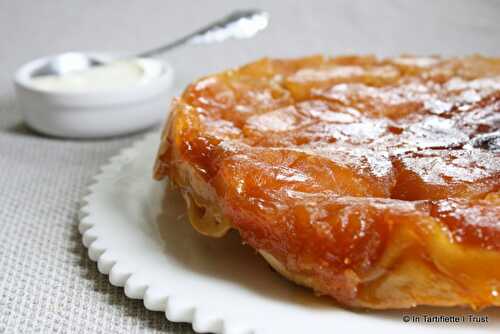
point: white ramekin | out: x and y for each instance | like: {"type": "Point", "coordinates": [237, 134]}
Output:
{"type": "Point", "coordinates": [93, 114]}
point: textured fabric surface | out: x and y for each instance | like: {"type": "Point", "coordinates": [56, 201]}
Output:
{"type": "Point", "coordinates": [47, 282]}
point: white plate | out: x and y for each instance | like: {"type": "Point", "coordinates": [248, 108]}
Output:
{"type": "Point", "coordinates": [144, 243]}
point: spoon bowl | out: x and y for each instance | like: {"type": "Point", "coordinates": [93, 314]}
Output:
{"type": "Point", "coordinates": [67, 62]}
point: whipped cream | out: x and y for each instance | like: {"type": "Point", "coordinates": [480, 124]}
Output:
{"type": "Point", "coordinates": [113, 76]}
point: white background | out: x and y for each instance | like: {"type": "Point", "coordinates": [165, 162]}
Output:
{"type": "Point", "coordinates": [30, 29]}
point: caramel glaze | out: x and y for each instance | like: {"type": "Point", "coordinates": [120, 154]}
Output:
{"type": "Point", "coordinates": [355, 172]}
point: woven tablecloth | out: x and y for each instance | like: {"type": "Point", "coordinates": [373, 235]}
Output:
{"type": "Point", "coordinates": [47, 282]}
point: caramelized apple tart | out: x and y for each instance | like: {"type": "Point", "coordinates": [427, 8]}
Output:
{"type": "Point", "coordinates": [373, 181]}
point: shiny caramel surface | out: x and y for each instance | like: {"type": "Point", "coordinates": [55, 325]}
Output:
{"type": "Point", "coordinates": [322, 162]}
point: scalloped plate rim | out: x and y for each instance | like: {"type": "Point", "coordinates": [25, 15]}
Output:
{"type": "Point", "coordinates": [155, 298]}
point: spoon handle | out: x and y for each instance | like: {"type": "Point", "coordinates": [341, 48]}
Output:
{"type": "Point", "coordinates": [239, 24]}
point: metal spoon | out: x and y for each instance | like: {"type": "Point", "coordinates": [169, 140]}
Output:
{"type": "Point", "coordinates": [239, 24]}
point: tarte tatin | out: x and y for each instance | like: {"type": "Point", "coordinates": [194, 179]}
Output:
{"type": "Point", "coordinates": [373, 181]}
